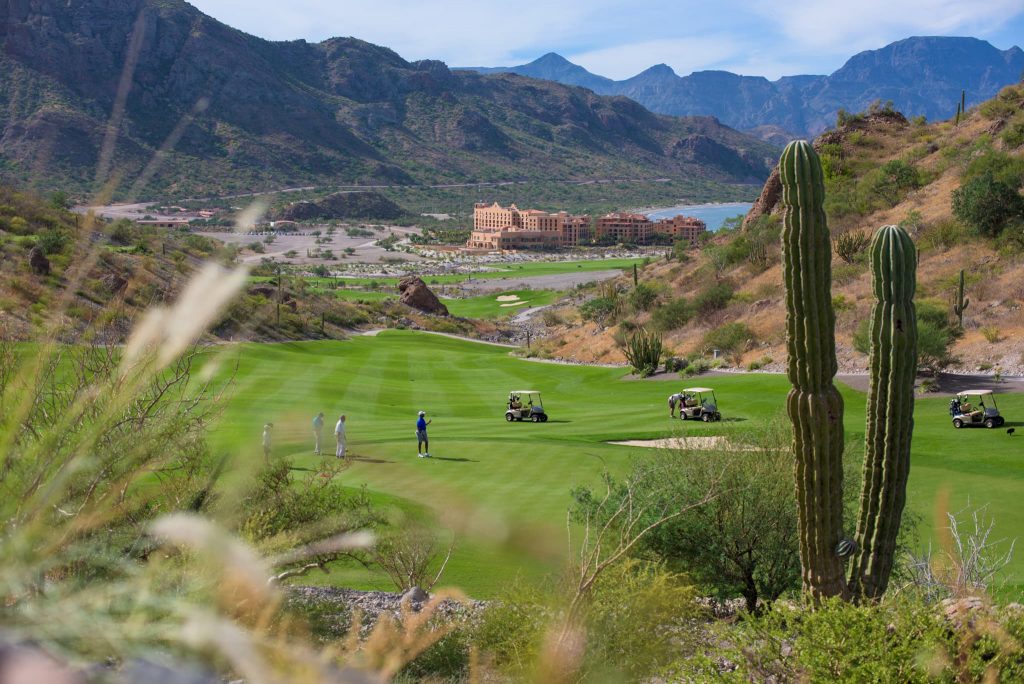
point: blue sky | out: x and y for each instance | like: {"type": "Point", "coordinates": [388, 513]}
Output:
{"type": "Point", "coordinates": [619, 38]}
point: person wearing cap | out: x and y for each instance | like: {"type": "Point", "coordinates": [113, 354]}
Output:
{"type": "Point", "coordinates": [422, 445]}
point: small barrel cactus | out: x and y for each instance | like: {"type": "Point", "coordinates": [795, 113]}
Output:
{"type": "Point", "coordinates": [815, 406]}
{"type": "Point", "coordinates": [890, 410]}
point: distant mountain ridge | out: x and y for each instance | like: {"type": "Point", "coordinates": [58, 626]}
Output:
{"type": "Point", "coordinates": [921, 75]}
{"type": "Point", "coordinates": [212, 110]}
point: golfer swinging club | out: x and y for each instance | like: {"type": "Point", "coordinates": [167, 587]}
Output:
{"type": "Point", "coordinates": [422, 445]}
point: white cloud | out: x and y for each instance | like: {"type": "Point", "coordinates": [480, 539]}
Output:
{"type": "Point", "coordinates": [867, 24]}
{"type": "Point", "coordinates": [619, 38]}
{"type": "Point", "coordinates": [460, 32]}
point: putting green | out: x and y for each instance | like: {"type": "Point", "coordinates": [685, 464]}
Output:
{"type": "Point", "coordinates": [505, 487]}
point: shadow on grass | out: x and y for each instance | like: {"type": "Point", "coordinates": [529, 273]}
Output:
{"type": "Point", "coordinates": [364, 459]}
{"type": "Point", "coordinates": [456, 460]}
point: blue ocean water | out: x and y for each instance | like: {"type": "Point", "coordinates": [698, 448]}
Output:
{"type": "Point", "coordinates": [712, 214]}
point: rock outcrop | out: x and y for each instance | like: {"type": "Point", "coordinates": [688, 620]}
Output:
{"type": "Point", "coordinates": [38, 262]}
{"type": "Point", "coordinates": [344, 205]}
{"type": "Point", "coordinates": [417, 295]}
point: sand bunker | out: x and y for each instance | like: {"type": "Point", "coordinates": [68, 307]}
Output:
{"type": "Point", "coordinates": [514, 304]}
{"type": "Point", "coordinates": [507, 298]}
{"type": "Point", "coordinates": [692, 443]}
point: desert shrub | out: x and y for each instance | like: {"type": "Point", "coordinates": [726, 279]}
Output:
{"type": "Point", "coordinates": [990, 333]}
{"type": "Point", "coordinates": [1013, 136]}
{"type": "Point", "coordinates": [935, 334]}
{"type": "Point", "coordinates": [987, 205]}
{"type": "Point", "coordinates": [643, 351]}
{"type": "Point", "coordinates": [729, 338]}
{"type": "Point", "coordinates": [53, 241]}
{"type": "Point", "coordinates": [674, 364]}
{"type": "Point", "coordinates": [1003, 167]}
{"type": "Point", "coordinates": [200, 243]}
{"type": "Point", "coordinates": [121, 232]}
{"type": "Point", "coordinates": [512, 627]}
{"type": "Point", "coordinates": [695, 367]}
{"type": "Point", "coordinates": [551, 318]}
{"type": "Point", "coordinates": [637, 621]}
{"type": "Point", "coordinates": [285, 511]}
{"type": "Point", "coordinates": [850, 246]}
{"type": "Point", "coordinates": [744, 541]}
{"type": "Point", "coordinates": [862, 336]}
{"type": "Point", "coordinates": [680, 251]}
{"type": "Point", "coordinates": [904, 639]}
{"type": "Point", "coordinates": [895, 178]}
{"type": "Point", "coordinates": [713, 298]}
{"type": "Point", "coordinates": [673, 314]}
{"type": "Point", "coordinates": [642, 297]}
{"type": "Point", "coordinates": [943, 234]}
{"type": "Point", "coordinates": [598, 309]}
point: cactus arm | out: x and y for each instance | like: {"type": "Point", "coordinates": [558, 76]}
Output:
{"type": "Point", "coordinates": [814, 405]}
{"type": "Point", "coordinates": [890, 410]}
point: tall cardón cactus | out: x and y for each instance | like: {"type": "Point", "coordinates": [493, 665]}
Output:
{"type": "Point", "coordinates": [815, 406]}
{"type": "Point", "coordinates": [890, 410]}
{"type": "Point", "coordinates": [960, 303]}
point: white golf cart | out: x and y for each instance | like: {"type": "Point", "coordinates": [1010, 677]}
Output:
{"type": "Point", "coordinates": [525, 405]}
{"type": "Point", "coordinates": [969, 408]}
{"type": "Point", "coordinates": [699, 403]}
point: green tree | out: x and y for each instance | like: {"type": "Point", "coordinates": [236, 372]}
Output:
{"type": "Point", "coordinates": [742, 542]}
{"type": "Point", "coordinates": [895, 179]}
{"type": "Point", "coordinates": [987, 205]}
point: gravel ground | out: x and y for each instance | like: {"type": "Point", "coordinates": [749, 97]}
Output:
{"type": "Point", "coordinates": [366, 249]}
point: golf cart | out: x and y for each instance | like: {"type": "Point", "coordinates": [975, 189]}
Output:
{"type": "Point", "coordinates": [525, 405]}
{"type": "Point", "coordinates": [968, 408]}
{"type": "Point", "coordinates": [699, 403]}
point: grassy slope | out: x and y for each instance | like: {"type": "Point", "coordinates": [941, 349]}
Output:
{"type": "Point", "coordinates": [506, 486]}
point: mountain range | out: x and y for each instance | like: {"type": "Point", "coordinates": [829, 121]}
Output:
{"type": "Point", "coordinates": [921, 75]}
{"type": "Point", "coordinates": [155, 98]}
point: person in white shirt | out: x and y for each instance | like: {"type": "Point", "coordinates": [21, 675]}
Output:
{"type": "Point", "coordinates": [339, 434]}
{"type": "Point", "coordinates": [318, 431]}
{"type": "Point", "coordinates": [674, 399]}
{"type": "Point", "coordinates": [266, 441]}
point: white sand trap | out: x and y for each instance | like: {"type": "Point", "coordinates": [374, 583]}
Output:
{"type": "Point", "coordinates": [507, 298]}
{"type": "Point", "coordinates": [685, 443]}
{"type": "Point", "coordinates": [522, 303]}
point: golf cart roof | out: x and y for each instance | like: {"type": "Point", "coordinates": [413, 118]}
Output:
{"type": "Point", "coordinates": [974, 393]}
{"type": "Point", "coordinates": [698, 389]}
{"type": "Point", "coordinates": [524, 392]}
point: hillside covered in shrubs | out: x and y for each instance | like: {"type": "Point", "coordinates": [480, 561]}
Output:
{"type": "Point", "coordinates": [954, 185]}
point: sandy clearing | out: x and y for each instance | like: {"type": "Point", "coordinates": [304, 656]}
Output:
{"type": "Point", "coordinates": [507, 298]}
{"type": "Point", "coordinates": [521, 303]}
{"type": "Point", "coordinates": [699, 443]}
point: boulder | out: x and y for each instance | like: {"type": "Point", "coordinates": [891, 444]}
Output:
{"type": "Point", "coordinates": [415, 595]}
{"type": "Point", "coordinates": [417, 295]}
{"type": "Point", "coordinates": [38, 262]}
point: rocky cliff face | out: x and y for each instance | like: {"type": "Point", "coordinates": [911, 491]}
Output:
{"type": "Point", "coordinates": [237, 112]}
{"type": "Point", "coordinates": [921, 75]}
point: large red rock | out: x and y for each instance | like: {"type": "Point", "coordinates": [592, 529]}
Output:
{"type": "Point", "coordinates": [416, 294]}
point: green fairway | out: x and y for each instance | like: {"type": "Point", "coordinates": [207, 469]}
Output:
{"type": "Point", "coordinates": [498, 270]}
{"type": "Point", "coordinates": [504, 486]}
{"type": "Point", "coordinates": [491, 305]}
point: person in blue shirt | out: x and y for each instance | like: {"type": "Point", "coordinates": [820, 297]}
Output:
{"type": "Point", "coordinates": [422, 445]}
